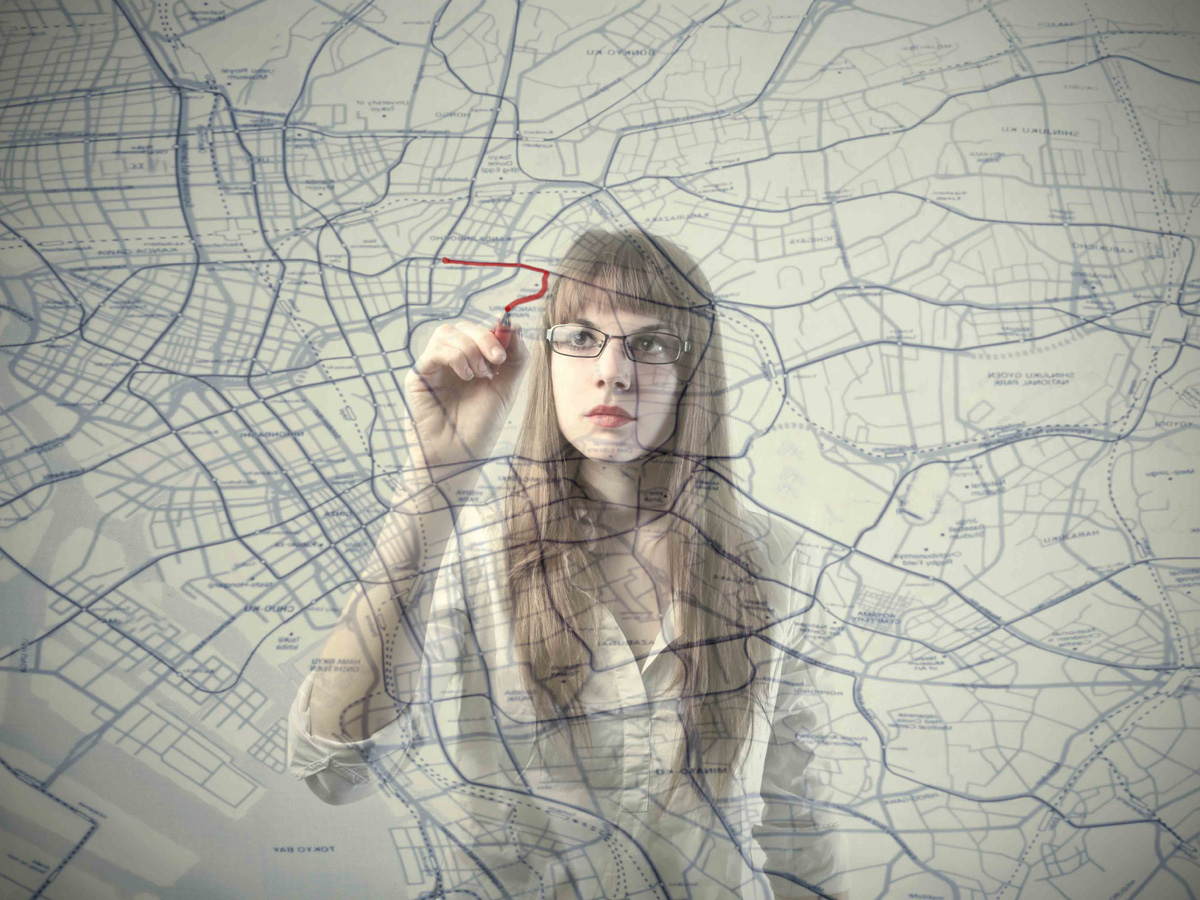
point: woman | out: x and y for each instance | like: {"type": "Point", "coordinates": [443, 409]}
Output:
{"type": "Point", "coordinates": [581, 669]}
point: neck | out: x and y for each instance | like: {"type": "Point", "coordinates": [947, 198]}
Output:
{"type": "Point", "coordinates": [626, 496]}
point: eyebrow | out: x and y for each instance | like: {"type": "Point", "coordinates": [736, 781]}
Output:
{"type": "Point", "coordinates": [652, 326]}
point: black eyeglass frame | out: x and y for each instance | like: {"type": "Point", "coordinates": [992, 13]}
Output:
{"type": "Point", "coordinates": [684, 346]}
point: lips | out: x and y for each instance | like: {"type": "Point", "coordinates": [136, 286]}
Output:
{"type": "Point", "coordinates": [610, 411]}
{"type": "Point", "coordinates": [609, 416]}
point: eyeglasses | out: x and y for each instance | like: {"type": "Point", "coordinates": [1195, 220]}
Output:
{"type": "Point", "coordinates": [653, 347]}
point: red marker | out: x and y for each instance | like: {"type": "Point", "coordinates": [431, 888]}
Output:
{"type": "Point", "coordinates": [504, 329]}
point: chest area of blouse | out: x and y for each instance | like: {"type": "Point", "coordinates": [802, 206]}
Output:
{"type": "Point", "coordinates": [635, 590]}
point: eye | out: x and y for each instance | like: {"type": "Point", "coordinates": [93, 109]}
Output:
{"type": "Point", "coordinates": [581, 337]}
{"type": "Point", "coordinates": [648, 343]}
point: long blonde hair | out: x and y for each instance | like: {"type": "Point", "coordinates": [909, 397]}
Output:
{"type": "Point", "coordinates": [716, 599]}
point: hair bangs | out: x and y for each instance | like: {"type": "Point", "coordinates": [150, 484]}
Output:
{"type": "Point", "coordinates": [621, 279]}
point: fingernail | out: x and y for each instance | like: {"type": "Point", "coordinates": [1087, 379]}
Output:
{"type": "Point", "coordinates": [498, 354]}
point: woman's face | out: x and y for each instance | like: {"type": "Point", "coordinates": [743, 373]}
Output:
{"type": "Point", "coordinates": [646, 393]}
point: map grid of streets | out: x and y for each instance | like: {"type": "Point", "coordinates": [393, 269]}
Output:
{"type": "Point", "coordinates": [953, 249]}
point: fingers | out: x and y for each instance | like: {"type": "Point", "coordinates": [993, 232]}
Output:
{"type": "Point", "coordinates": [486, 343]}
{"type": "Point", "coordinates": [442, 355]}
{"type": "Point", "coordinates": [467, 345]}
{"type": "Point", "coordinates": [467, 349]}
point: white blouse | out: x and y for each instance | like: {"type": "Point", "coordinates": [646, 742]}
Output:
{"type": "Point", "coordinates": [506, 814]}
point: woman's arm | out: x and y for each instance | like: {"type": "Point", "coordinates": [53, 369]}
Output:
{"type": "Point", "coordinates": [459, 391]}
{"type": "Point", "coordinates": [800, 832]}
{"type": "Point", "coordinates": [353, 709]}
{"type": "Point", "coordinates": [367, 671]}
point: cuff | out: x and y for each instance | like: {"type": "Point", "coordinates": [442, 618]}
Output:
{"type": "Point", "coordinates": [338, 772]}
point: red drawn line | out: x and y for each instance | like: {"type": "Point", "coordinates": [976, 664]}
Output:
{"type": "Point", "coordinates": [503, 329]}
{"type": "Point", "coordinates": [538, 296]}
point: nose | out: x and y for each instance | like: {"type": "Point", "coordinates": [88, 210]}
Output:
{"type": "Point", "coordinates": [614, 368]}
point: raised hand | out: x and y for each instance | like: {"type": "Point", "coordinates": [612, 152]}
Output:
{"type": "Point", "coordinates": [459, 393]}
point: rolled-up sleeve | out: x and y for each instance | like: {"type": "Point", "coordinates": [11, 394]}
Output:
{"type": "Point", "coordinates": [339, 772]}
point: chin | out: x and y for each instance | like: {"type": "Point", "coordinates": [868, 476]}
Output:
{"type": "Point", "coordinates": [612, 452]}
